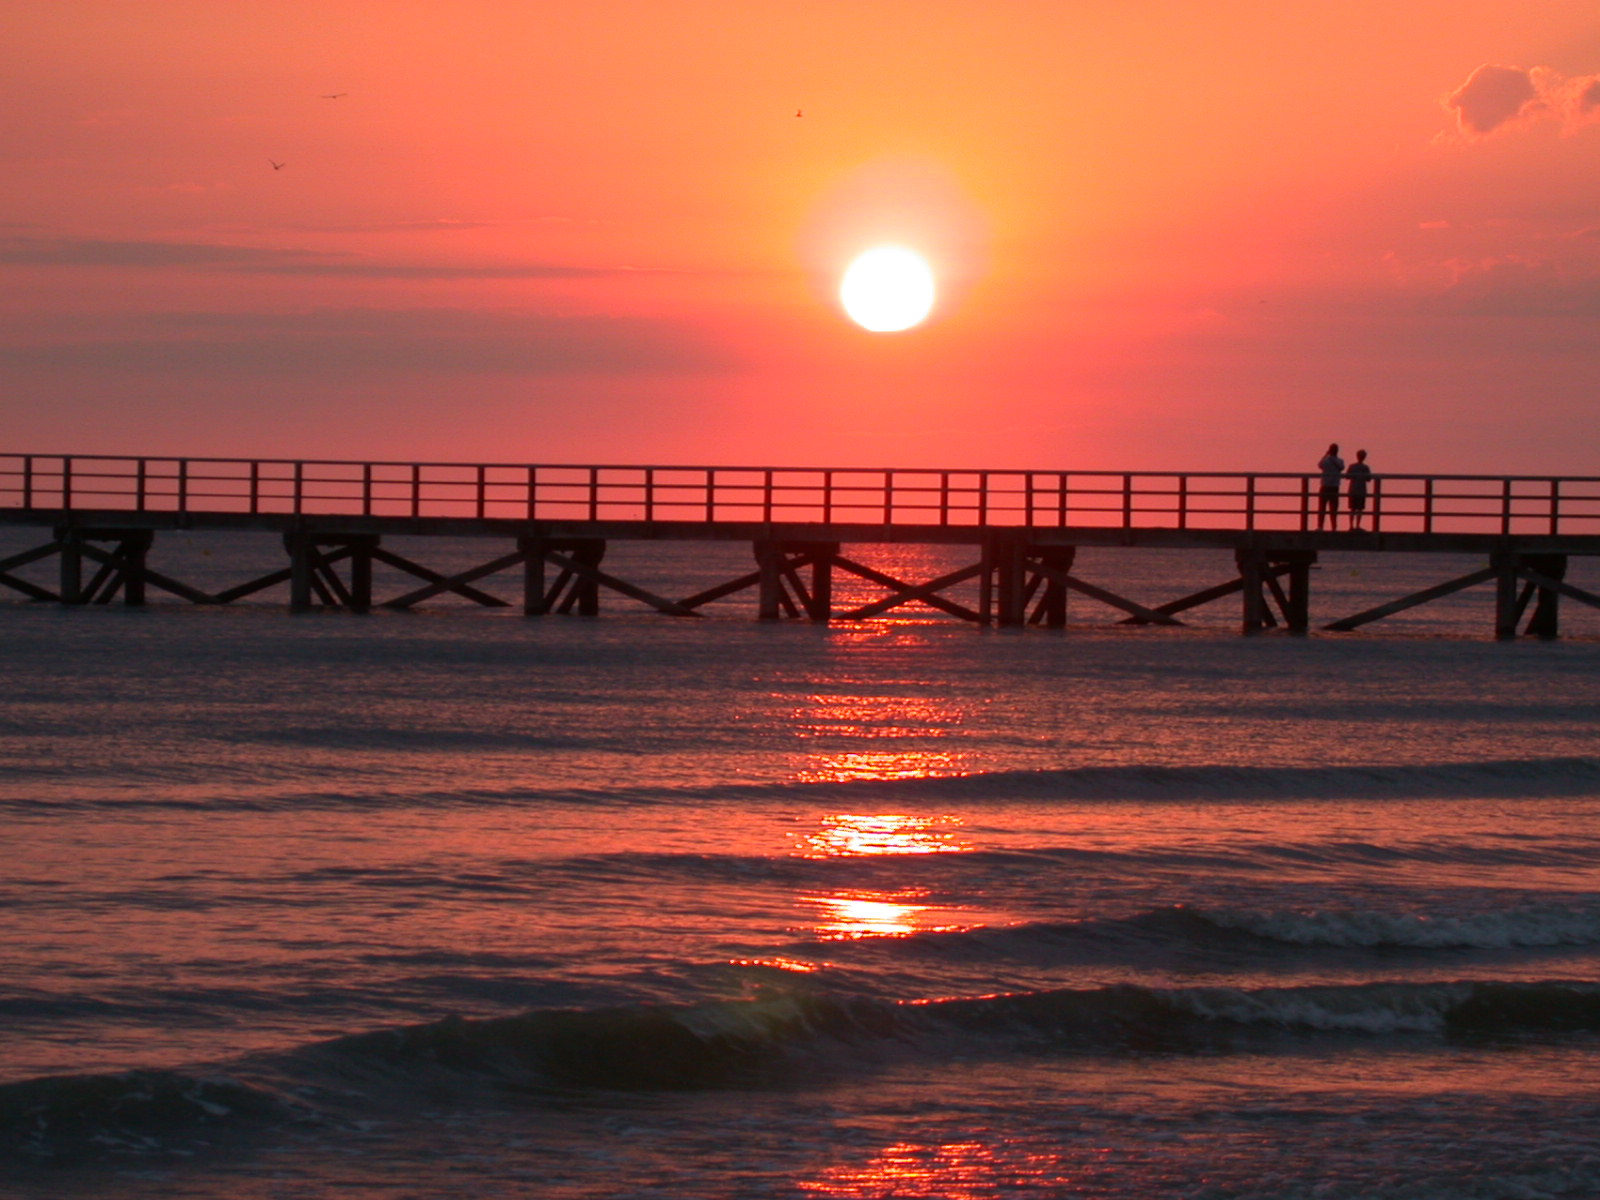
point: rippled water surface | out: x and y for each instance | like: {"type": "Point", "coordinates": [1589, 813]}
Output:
{"type": "Point", "coordinates": [451, 902]}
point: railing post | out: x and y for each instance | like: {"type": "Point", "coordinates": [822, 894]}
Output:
{"type": "Point", "coordinates": [1027, 498]}
{"type": "Point", "coordinates": [1183, 502]}
{"type": "Point", "coordinates": [183, 485]}
{"type": "Point", "coordinates": [1427, 505]}
{"type": "Point", "coordinates": [594, 493]}
{"type": "Point", "coordinates": [827, 497]}
{"type": "Point", "coordinates": [983, 502]}
{"type": "Point", "coordinates": [1249, 503]}
{"type": "Point", "coordinates": [483, 490]}
{"type": "Point", "coordinates": [1127, 501]}
{"type": "Point", "coordinates": [944, 497]}
{"type": "Point", "coordinates": [1305, 504]}
{"type": "Point", "coordinates": [1377, 503]}
{"type": "Point", "coordinates": [416, 489]}
{"type": "Point", "coordinates": [66, 483]}
{"type": "Point", "coordinates": [299, 484]}
{"type": "Point", "coordinates": [1061, 500]}
{"type": "Point", "coordinates": [533, 493]}
{"type": "Point", "coordinates": [888, 498]}
{"type": "Point", "coordinates": [366, 489]}
{"type": "Point", "coordinates": [27, 482]}
{"type": "Point", "coordinates": [1505, 506]}
{"type": "Point", "coordinates": [1555, 507]}
{"type": "Point", "coordinates": [138, 487]}
{"type": "Point", "coordinates": [766, 497]}
{"type": "Point", "coordinates": [255, 487]}
{"type": "Point", "coordinates": [711, 495]}
{"type": "Point", "coordinates": [649, 494]}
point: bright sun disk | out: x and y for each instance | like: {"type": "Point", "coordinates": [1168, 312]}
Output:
{"type": "Point", "coordinates": [887, 288]}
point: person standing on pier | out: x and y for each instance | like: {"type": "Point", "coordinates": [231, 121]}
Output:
{"type": "Point", "coordinates": [1359, 475]}
{"type": "Point", "coordinates": [1332, 468]}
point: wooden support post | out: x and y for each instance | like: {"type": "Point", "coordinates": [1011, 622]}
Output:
{"type": "Point", "coordinates": [534, 603]}
{"type": "Point", "coordinates": [1504, 565]}
{"type": "Point", "coordinates": [588, 552]}
{"type": "Point", "coordinates": [820, 609]}
{"type": "Point", "coordinates": [361, 573]}
{"type": "Point", "coordinates": [301, 555]}
{"type": "Point", "coordinates": [986, 587]}
{"type": "Point", "coordinates": [1252, 569]}
{"type": "Point", "coordinates": [1008, 563]}
{"type": "Point", "coordinates": [1297, 613]}
{"type": "Point", "coordinates": [134, 550]}
{"type": "Point", "coordinates": [1052, 610]}
{"type": "Point", "coordinates": [769, 561]}
{"type": "Point", "coordinates": [1545, 624]}
{"type": "Point", "coordinates": [71, 566]}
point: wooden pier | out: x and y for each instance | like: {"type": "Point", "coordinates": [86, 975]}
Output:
{"type": "Point", "coordinates": [102, 515]}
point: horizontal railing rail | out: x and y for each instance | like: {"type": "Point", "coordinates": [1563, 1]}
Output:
{"type": "Point", "coordinates": [1193, 500]}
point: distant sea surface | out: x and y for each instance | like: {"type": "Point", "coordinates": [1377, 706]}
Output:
{"type": "Point", "coordinates": [458, 903]}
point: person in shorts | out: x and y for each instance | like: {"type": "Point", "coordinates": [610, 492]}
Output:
{"type": "Point", "coordinates": [1359, 475]}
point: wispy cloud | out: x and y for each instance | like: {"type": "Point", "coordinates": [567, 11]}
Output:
{"type": "Point", "coordinates": [92, 252]}
{"type": "Point", "coordinates": [1496, 97]}
{"type": "Point", "coordinates": [342, 342]}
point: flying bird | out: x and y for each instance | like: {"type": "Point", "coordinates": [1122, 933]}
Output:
{"type": "Point", "coordinates": [333, 95]}
{"type": "Point", "coordinates": [798, 113]}
{"type": "Point", "coordinates": [276, 165]}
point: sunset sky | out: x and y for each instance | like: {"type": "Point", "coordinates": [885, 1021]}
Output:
{"type": "Point", "coordinates": [1166, 235]}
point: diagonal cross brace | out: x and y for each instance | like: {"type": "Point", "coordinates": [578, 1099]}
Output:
{"type": "Point", "coordinates": [584, 571]}
{"type": "Point", "coordinates": [448, 583]}
{"type": "Point", "coordinates": [1416, 598]}
{"type": "Point", "coordinates": [164, 582]}
{"type": "Point", "coordinates": [1558, 585]}
{"type": "Point", "coordinates": [454, 583]}
{"type": "Point", "coordinates": [906, 592]}
{"type": "Point", "coordinates": [1151, 616]}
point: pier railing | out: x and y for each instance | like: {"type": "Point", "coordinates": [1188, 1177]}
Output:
{"type": "Point", "coordinates": [1191, 500]}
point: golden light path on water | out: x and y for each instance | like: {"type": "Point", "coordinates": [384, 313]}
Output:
{"type": "Point", "coordinates": [837, 716]}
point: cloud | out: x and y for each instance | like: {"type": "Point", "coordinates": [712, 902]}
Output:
{"type": "Point", "coordinates": [91, 252]}
{"type": "Point", "coordinates": [1522, 286]}
{"type": "Point", "coordinates": [1491, 97]}
{"type": "Point", "coordinates": [367, 341]}
{"type": "Point", "coordinates": [1498, 97]}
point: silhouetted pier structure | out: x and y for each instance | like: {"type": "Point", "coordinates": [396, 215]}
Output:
{"type": "Point", "coordinates": [1024, 528]}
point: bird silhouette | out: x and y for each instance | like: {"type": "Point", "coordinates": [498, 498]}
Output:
{"type": "Point", "coordinates": [798, 113]}
{"type": "Point", "coordinates": [276, 165]}
{"type": "Point", "coordinates": [333, 95]}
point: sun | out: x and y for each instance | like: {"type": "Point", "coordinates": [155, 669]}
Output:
{"type": "Point", "coordinates": [887, 289]}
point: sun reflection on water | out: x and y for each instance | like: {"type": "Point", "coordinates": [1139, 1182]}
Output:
{"type": "Point", "coordinates": [859, 913]}
{"type": "Point", "coordinates": [949, 1170]}
{"type": "Point", "coordinates": [845, 834]}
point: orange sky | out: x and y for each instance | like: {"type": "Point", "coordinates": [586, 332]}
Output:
{"type": "Point", "coordinates": [1168, 235]}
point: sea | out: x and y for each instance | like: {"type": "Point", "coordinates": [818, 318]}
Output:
{"type": "Point", "coordinates": [460, 903]}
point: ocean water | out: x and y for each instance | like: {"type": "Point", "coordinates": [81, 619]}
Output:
{"type": "Point", "coordinates": [458, 903]}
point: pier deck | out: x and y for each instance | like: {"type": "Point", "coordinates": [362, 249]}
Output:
{"type": "Point", "coordinates": [103, 514]}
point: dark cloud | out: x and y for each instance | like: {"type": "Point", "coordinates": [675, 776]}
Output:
{"type": "Point", "coordinates": [1523, 287]}
{"type": "Point", "coordinates": [1497, 97]}
{"type": "Point", "coordinates": [1491, 97]}
{"type": "Point", "coordinates": [90, 252]}
{"type": "Point", "coordinates": [379, 270]}
{"type": "Point", "coordinates": [345, 342]}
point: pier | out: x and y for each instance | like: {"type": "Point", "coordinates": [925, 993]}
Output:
{"type": "Point", "coordinates": [547, 528]}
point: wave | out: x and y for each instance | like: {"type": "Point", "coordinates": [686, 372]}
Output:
{"type": "Point", "coordinates": [1487, 779]}
{"type": "Point", "coordinates": [778, 1039]}
{"type": "Point", "coordinates": [1235, 935]}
